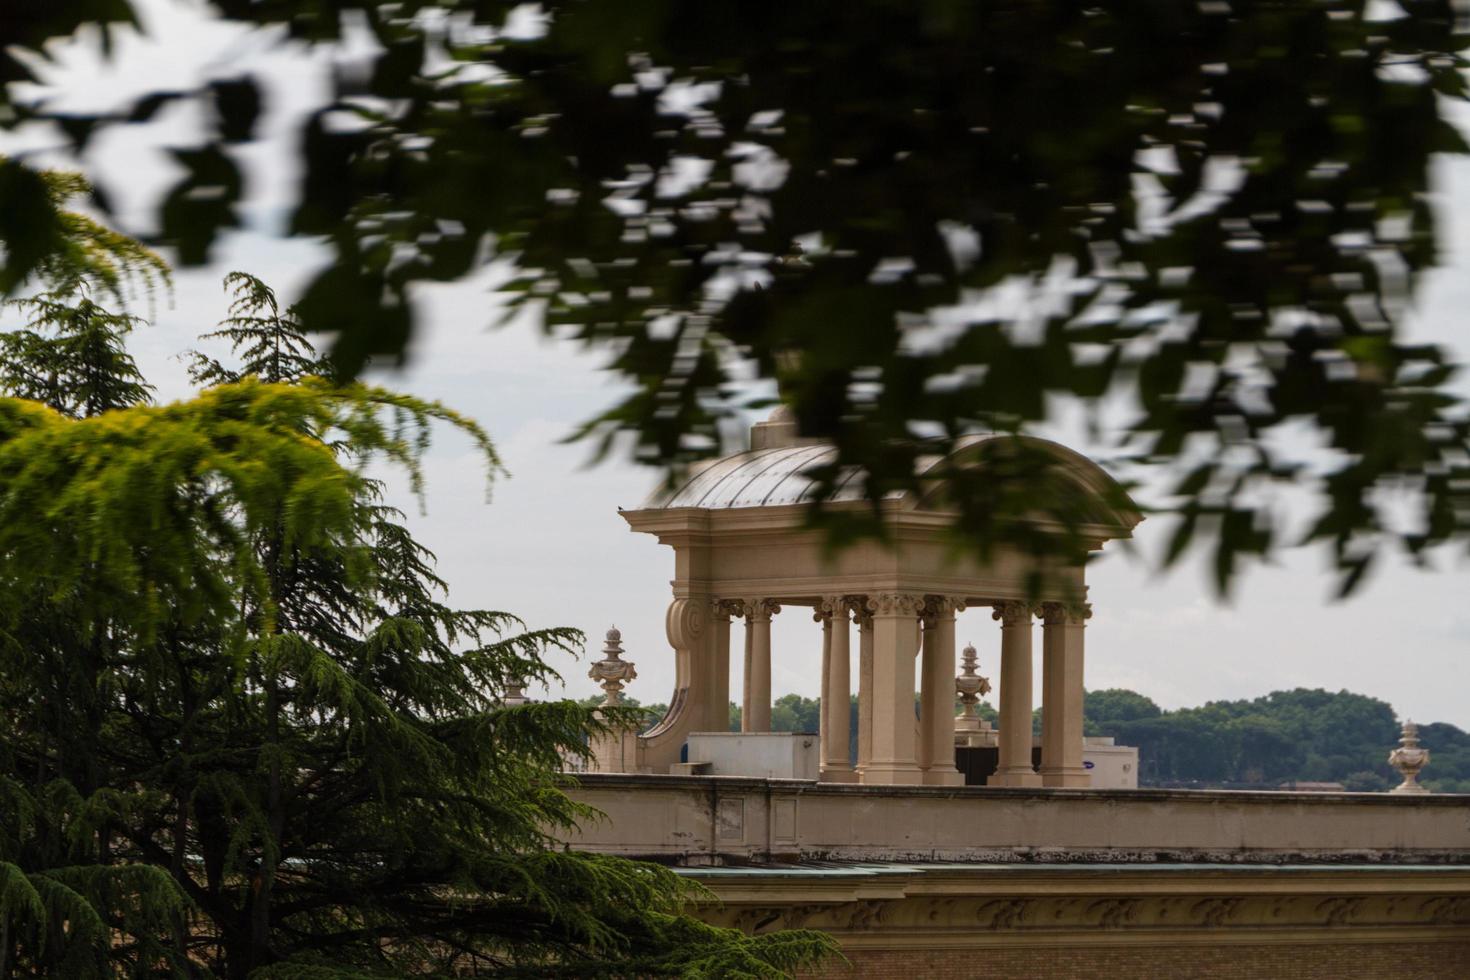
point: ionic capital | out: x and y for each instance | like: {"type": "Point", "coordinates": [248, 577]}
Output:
{"type": "Point", "coordinates": [835, 606]}
{"type": "Point", "coordinates": [938, 607]}
{"type": "Point", "coordinates": [896, 604]}
{"type": "Point", "coordinates": [827, 608]}
{"type": "Point", "coordinates": [862, 608]}
{"type": "Point", "coordinates": [753, 610]}
{"type": "Point", "coordinates": [1066, 613]}
{"type": "Point", "coordinates": [1013, 612]}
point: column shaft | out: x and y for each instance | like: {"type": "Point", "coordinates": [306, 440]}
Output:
{"type": "Point", "coordinates": [936, 700]}
{"type": "Point", "coordinates": [825, 619]}
{"type": "Point", "coordinates": [895, 645]}
{"type": "Point", "coordinates": [717, 717]}
{"type": "Point", "coordinates": [755, 713]}
{"type": "Point", "coordinates": [1061, 696]}
{"type": "Point", "coordinates": [836, 693]}
{"type": "Point", "coordinates": [1015, 697]}
{"type": "Point", "coordinates": [865, 688]}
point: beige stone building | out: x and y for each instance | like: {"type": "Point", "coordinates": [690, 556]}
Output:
{"type": "Point", "coordinates": [1041, 871]}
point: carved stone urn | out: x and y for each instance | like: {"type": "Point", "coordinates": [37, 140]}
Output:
{"type": "Point", "coordinates": [612, 671]}
{"type": "Point", "coordinates": [970, 685]}
{"type": "Point", "coordinates": [1408, 759]}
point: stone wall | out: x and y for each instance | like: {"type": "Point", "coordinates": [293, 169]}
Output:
{"type": "Point", "coordinates": [711, 820]}
{"type": "Point", "coordinates": [931, 882]}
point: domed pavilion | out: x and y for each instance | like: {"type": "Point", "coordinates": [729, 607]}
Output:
{"type": "Point", "coordinates": [744, 549]}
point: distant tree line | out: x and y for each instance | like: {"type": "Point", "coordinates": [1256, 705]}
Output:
{"type": "Point", "coordinates": [1284, 736]}
{"type": "Point", "coordinates": [1300, 735]}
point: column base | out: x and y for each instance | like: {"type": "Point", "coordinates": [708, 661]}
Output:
{"type": "Point", "coordinates": [1017, 777]}
{"type": "Point", "coordinates": [895, 775]}
{"type": "Point", "coordinates": [1074, 778]}
{"type": "Point", "coordinates": [837, 775]}
{"type": "Point", "coordinates": [944, 777]}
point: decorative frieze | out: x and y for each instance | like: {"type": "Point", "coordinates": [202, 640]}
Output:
{"type": "Point", "coordinates": [912, 920]}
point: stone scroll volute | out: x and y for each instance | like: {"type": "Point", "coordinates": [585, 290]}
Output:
{"type": "Point", "coordinates": [685, 623]}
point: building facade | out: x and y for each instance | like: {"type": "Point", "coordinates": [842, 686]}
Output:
{"type": "Point", "coordinates": [1056, 867]}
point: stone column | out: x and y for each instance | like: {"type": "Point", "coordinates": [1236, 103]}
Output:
{"type": "Point", "coordinates": [936, 699]}
{"type": "Point", "coordinates": [836, 690]}
{"type": "Point", "coordinates": [863, 613]}
{"type": "Point", "coordinates": [895, 645]}
{"type": "Point", "coordinates": [1015, 696]}
{"type": "Point", "coordinates": [823, 616]}
{"type": "Point", "coordinates": [717, 712]}
{"type": "Point", "coordinates": [755, 711]}
{"type": "Point", "coordinates": [1061, 695]}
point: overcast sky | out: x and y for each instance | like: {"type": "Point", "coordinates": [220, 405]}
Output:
{"type": "Point", "coordinates": [550, 545]}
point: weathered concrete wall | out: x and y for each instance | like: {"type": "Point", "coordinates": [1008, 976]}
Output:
{"type": "Point", "coordinates": [704, 820]}
{"type": "Point", "coordinates": [1113, 766]}
{"type": "Point", "coordinates": [790, 755]}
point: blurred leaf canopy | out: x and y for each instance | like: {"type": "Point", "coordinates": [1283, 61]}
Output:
{"type": "Point", "coordinates": [918, 219]}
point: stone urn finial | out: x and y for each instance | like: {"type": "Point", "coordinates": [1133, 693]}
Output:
{"type": "Point", "coordinates": [970, 685]}
{"type": "Point", "coordinates": [1408, 759]}
{"type": "Point", "coordinates": [515, 693]}
{"type": "Point", "coordinates": [612, 671]}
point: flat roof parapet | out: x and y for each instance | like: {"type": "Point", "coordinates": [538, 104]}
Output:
{"type": "Point", "coordinates": [734, 820]}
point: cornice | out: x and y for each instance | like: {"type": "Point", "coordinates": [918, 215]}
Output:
{"type": "Point", "coordinates": [789, 519]}
{"type": "Point", "coordinates": [808, 590]}
{"type": "Point", "coordinates": [1090, 881]}
{"type": "Point", "coordinates": [813, 787]}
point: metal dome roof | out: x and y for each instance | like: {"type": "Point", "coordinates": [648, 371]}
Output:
{"type": "Point", "coordinates": [759, 478]}
{"type": "Point", "coordinates": [775, 472]}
